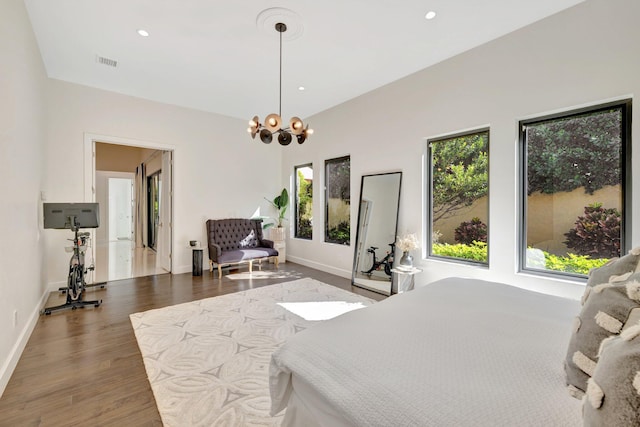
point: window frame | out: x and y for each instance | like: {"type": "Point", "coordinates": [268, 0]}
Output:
{"type": "Point", "coordinates": [625, 182]}
{"type": "Point", "coordinates": [429, 176]}
{"type": "Point", "coordinates": [327, 162]}
{"type": "Point", "coordinates": [295, 203]}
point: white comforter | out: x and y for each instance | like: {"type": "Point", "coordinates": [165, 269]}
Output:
{"type": "Point", "coordinates": [458, 352]}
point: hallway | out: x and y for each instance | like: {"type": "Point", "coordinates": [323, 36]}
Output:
{"type": "Point", "coordinates": [119, 259]}
{"type": "Point", "coordinates": [130, 183]}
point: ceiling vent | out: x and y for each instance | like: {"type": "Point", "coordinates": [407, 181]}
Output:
{"type": "Point", "coordinates": [106, 61]}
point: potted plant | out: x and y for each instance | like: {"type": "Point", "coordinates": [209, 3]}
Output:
{"type": "Point", "coordinates": [280, 202]}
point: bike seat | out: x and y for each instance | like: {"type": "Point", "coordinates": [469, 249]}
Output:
{"type": "Point", "coordinates": [373, 248]}
{"type": "Point", "coordinates": [84, 234]}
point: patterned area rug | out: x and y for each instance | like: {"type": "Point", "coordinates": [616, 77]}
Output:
{"type": "Point", "coordinates": [208, 360]}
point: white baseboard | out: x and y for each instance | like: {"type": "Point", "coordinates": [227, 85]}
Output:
{"type": "Point", "coordinates": [319, 266]}
{"type": "Point", "coordinates": [187, 268]}
{"type": "Point", "coordinates": [14, 355]}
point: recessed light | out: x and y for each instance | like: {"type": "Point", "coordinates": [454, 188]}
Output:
{"type": "Point", "coordinates": [430, 15]}
{"type": "Point", "coordinates": [143, 33]}
{"type": "Point", "coordinates": [300, 88]}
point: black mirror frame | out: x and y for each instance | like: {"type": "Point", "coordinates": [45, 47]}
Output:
{"type": "Point", "coordinates": [357, 241]}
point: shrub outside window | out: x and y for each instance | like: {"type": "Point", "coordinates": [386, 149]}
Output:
{"type": "Point", "coordinates": [338, 200]}
{"type": "Point", "coordinates": [459, 205]}
{"type": "Point", "coordinates": [304, 201]}
{"type": "Point", "coordinates": [575, 168]}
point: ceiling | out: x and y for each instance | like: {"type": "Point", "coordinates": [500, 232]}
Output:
{"type": "Point", "coordinates": [223, 56]}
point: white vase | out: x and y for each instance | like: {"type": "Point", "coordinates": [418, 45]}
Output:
{"type": "Point", "coordinates": [406, 261]}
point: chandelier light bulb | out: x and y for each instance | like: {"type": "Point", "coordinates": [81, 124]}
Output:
{"type": "Point", "coordinates": [309, 131]}
{"type": "Point", "coordinates": [252, 123]}
{"type": "Point", "coordinates": [272, 121]}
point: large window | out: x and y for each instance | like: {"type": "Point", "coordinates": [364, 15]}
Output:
{"type": "Point", "coordinates": [304, 201]}
{"type": "Point", "coordinates": [575, 167]}
{"type": "Point", "coordinates": [337, 173]}
{"type": "Point", "coordinates": [459, 205]}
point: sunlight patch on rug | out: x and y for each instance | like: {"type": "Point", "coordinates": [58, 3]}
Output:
{"type": "Point", "coordinates": [320, 310]}
{"type": "Point", "coordinates": [208, 361]}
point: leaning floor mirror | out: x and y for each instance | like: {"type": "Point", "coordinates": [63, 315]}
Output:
{"type": "Point", "coordinates": [376, 232]}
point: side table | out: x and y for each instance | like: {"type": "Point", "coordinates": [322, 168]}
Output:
{"type": "Point", "coordinates": [196, 260]}
{"type": "Point", "coordinates": [405, 280]}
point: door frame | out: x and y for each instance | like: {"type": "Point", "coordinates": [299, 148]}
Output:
{"type": "Point", "coordinates": [90, 140]}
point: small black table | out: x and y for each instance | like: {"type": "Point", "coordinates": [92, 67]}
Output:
{"type": "Point", "coordinates": [196, 269]}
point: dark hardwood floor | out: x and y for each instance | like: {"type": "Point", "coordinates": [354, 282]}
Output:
{"type": "Point", "coordinates": [83, 367]}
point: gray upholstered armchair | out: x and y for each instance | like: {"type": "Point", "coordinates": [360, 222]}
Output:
{"type": "Point", "coordinates": [237, 241]}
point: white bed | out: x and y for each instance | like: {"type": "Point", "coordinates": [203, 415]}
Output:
{"type": "Point", "coordinates": [458, 352]}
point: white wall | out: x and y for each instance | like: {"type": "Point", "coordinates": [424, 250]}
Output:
{"type": "Point", "coordinates": [585, 55]}
{"type": "Point", "coordinates": [22, 283]}
{"type": "Point", "coordinates": [219, 171]}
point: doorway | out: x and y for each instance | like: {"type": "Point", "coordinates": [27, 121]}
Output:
{"type": "Point", "coordinates": [127, 179]}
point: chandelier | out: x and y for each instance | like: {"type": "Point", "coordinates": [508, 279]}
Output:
{"type": "Point", "coordinates": [273, 122]}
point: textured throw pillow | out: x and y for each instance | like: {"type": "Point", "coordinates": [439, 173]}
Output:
{"type": "Point", "coordinates": [616, 267]}
{"type": "Point", "coordinates": [613, 393]}
{"type": "Point", "coordinates": [605, 313]}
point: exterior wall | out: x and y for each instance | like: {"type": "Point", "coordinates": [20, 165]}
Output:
{"type": "Point", "coordinates": [549, 217]}
{"type": "Point", "coordinates": [446, 226]}
{"type": "Point", "coordinates": [552, 215]}
{"type": "Point", "coordinates": [339, 211]}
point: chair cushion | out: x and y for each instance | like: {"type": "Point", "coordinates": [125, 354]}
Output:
{"type": "Point", "coordinates": [246, 254]}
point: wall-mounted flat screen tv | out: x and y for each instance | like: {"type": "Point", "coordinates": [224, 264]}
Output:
{"type": "Point", "coordinates": [71, 215]}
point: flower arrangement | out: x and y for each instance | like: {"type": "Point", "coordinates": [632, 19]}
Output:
{"type": "Point", "coordinates": [408, 242]}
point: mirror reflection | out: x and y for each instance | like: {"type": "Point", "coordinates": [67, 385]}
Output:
{"type": "Point", "coordinates": [376, 232]}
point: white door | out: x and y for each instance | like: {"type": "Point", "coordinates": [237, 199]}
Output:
{"type": "Point", "coordinates": [165, 226]}
{"type": "Point", "coordinates": [120, 209]}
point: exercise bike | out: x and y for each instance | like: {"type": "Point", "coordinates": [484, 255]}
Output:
{"type": "Point", "coordinates": [385, 263]}
{"type": "Point", "coordinates": [76, 283]}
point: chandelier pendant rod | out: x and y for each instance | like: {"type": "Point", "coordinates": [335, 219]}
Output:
{"type": "Point", "coordinates": [273, 122]}
{"type": "Point", "coordinates": [281, 30]}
